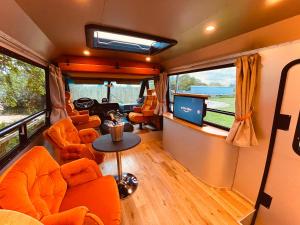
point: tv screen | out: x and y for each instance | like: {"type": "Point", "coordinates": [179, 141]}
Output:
{"type": "Point", "coordinates": [191, 109]}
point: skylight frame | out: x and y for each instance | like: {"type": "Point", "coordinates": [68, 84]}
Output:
{"type": "Point", "coordinates": [144, 43]}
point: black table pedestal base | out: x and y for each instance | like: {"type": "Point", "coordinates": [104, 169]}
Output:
{"type": "Point", "coordinates": [127, 185]}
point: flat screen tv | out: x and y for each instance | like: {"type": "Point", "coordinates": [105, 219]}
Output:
{"type": "Point", "coordinates": [191, 108]}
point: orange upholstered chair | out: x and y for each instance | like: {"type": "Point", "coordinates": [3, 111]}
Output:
{"type": "Point", "coordinates": [70, 144]}
{"type": "Point", "coordinates": [73, 194]}
{"type": "Point", "coordinates": [81, 119]}
{"type": "Point", "coordinates": [146, 112]}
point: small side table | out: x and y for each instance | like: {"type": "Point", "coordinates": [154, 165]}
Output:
{"type": "Point", "coordinates": [127, 182]}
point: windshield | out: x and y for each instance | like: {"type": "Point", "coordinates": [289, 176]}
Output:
{"type": "Point", "coordinates": [124, 93]}
{"type": "Point", "coordinates": [93, 91]}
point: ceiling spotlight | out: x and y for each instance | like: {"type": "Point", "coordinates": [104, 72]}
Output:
{"type": "Point", "coordinates": [210, 28]}
{"type": "Point", "coordinates": [148, 58]}
{"type": "Point", "coordinates": [272, 2]}
{"type": "Point", "coordinates": [86, 52]}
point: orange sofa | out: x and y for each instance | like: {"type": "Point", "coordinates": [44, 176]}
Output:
{"type": "Point", "coordinates": [73, 194]}
{"type": "Point", "coordinates": [70, 144]}
{"type": "Point", "coordinates": [81, 119]}
{"type": "Point", "coordinates": [145, 113]}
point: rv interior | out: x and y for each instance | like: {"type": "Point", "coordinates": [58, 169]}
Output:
{"type": "Point", "coordinates": [136, 112]}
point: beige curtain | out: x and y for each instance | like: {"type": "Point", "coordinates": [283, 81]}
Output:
{"type": "Point", "coordinates": [242, 133]}
{"type": "Point", "coordinates": [57, 94]}
{"type": "Point", "coordinates": [161, 91]}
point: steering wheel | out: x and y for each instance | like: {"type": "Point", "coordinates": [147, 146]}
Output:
{"type": "Point", "coordinates": [84, 103]}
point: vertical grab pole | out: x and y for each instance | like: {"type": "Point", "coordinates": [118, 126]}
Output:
{"type": "Point", "coordinates": [119, 162]}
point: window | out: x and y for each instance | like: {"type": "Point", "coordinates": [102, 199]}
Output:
{"type": "Point", "coordinates": [219, 84]}
{"type": "Point", "coordinates": [101, 37]}
{"type": "Point", "coordinates": [22, 101]}
{"type": "Point", "coordinates": [22, 90]}
{"type": "Point", "coordinates": [93, 91]}
{"type": "Point", "coordinates": [124, 93]}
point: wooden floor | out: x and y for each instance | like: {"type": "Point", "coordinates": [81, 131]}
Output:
{"type": "Point", "coordinates": [168, 194]}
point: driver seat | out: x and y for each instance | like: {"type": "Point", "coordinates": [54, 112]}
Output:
{"type": "Point", "coordinates": [81, 119]}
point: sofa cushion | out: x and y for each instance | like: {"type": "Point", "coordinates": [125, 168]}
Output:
{"type": "Point", "coordinates": [64, 133]}
{"type": "Point", "coordinates": [34, 185]}
{"type": "Point", "coordinates": [100, 196]}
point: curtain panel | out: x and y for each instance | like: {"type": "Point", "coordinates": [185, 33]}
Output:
{"type": "Point", "coordinates": [57, 94]}
{"type": "Point", "coordinates": [161, 87]}
{"type": "Point", "coordinates": [242, 132]}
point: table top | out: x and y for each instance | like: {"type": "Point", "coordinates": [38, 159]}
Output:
{"type": "Point", "coordinates": [10, 217]}
{"type": "Point", "coordinates": [105, 144]}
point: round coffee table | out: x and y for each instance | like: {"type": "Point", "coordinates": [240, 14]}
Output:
{"type": "Point", "coordinates": [127, 182]}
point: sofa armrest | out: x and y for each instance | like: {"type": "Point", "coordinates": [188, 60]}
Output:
{"type": "Point", "coordinates": [83, 112]}
{"type": "Point", "coordinates": [88, 135]}
{"type": "Point", "coordinates": [80, 118]}
{"type": "Point", "coordinates": [148, 112]}
{"type": "Point", "coordinates": [137, 109]}
{"type": "Point", "coordinates": [75, 216]}
{"type": "Point", "coordinates": [80, 171]}
{"type": "Point", "coordinates": [74, 151]}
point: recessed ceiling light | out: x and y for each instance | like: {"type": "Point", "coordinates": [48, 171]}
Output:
{"type": "Point", "coordinates": [210, 28]}
{"type": "Point", "coordinates": [272, 2]}
{"type": "Point", "coordinates": [86, 52]}
{"type": "Point", "coordinates": [148, 58]}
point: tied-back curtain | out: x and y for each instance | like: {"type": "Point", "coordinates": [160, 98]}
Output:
{"type": "Point", "coordinates": [161, 87]}
{"type": "Point", "coordinates": [57, 94]}
{"type": "Point", "coordinates": [242, 132]}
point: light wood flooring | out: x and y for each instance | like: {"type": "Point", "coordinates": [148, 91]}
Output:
{"type": "Point", "coordinates": [168, 194]}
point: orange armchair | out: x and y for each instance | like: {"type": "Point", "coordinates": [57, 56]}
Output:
{"type": "Point", "coordinates": [81, 119]}
{"type": "Point", "coordinates": [70, 144]}
{"type": "Point", "coordinates": [146, 112]}
{"type": "Point", "coordinates": [74, 194]}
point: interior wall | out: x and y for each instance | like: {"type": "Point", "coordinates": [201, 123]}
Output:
{"type": "Point", "coordinates": [18, 25]}
{"type": "Point", "coordinates": [251, 161]}
{"type": "Point", "coordinates": [280, 32]}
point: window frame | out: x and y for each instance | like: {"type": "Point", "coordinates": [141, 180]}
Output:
{"type": "Point", "coordinates": [228, 113]}
{"type": "Point", "coordinates": [20, 126]}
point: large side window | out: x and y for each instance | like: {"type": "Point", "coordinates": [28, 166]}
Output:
{"type": "Point", "coordinates": [124, 93]}
{"type": "Point", "coordinates": [22, 101]}
{"type": "Point", "coordinates": [219, 84]}
{"type": "Point", "coordinates": [83, 90]}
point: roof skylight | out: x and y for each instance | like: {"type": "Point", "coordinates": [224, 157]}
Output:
{"type": "Point", "coordinates": [100, 37]}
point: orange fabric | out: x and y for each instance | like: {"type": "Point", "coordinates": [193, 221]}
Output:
{"type": "Point", "coordinates": [80, 171]}
{"type": "Point", "coordinates": [144, 114]}
{"type": "Point", "coordinates": [77, 119]}
{"type": "Point", "coordinates": [137, 109]}
{"type": "Point", "coordinates": [88, 135]}
{"type": "Point", "coordinates": [93, 122]}
{"type": "Point", "coordinates": [100, 197]}
{"type": "Point", "coordinates": [92, 219]}
{"type": "Point", "coordinates": [74, 216]}
{"type": "Point", "coordinates": [81, 119]}
{"type": "Point", "coordinates": [70, 144]}
{"type": "Point", "coordinates": [34, 185]}
{"type": "Point", "coordinates": [82, 112]}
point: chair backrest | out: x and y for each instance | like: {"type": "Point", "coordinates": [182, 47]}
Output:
{"type": "Point", "coordinates": [150, 100]}
{"type": "Point", "coordinates": [63, 133]}
{"type": "Point", "coordinates": [33, 185]}
{"type": "Point", "coordinates": [69, 104]}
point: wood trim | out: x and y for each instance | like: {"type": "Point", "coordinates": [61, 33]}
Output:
{"type": "Point", "coordinates": [192, 95]}
{"type": "Point", "coordinates": [101, 65]}
{"type": "Point", "coordinates": [210, 130]}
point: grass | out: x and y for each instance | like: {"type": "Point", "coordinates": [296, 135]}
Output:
{"type": "Point", "coordinates": [229, 100]}
{"type": "Point", "coordinates": [221, 119]}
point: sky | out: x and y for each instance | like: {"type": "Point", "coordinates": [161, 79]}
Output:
{"type": "Point", "coordinates": [224, 76]}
